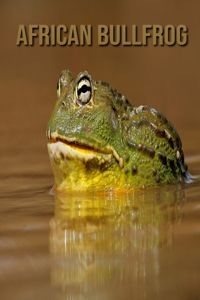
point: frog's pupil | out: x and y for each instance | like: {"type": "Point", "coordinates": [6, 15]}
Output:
{"type": "Point", "coordinates": [84, 89]}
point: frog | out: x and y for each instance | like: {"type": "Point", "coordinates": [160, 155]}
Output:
{"type": "Point", "coordinates": [99, 141]}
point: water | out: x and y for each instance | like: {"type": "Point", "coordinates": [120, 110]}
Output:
{"type": "Point", "coordinates": [99, 246]}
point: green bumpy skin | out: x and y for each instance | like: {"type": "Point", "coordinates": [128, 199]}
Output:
{"type": "Point", "coordinates": [98, 141]}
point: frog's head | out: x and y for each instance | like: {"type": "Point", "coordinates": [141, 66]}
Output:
{"type": "Point", "coordinates": [84, 134]}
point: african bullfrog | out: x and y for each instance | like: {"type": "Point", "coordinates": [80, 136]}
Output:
{"type": "Point", "coordinates": [98, 141]}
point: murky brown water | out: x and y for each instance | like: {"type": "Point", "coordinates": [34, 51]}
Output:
{"type": "Point", "coordinates": [107, 246]}
{"type": "Point", "coordinates": [99, 246]}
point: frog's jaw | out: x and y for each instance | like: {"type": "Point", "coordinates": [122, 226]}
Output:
{"type": "Point", "coordinates": [94, 146]}
{"type": "Point", "coordinates": [78, 169]}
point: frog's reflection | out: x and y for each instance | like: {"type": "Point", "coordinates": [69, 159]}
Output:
{"type": "Point", "coordinates": [96, 238]}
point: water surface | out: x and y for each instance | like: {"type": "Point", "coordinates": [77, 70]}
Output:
{"type": "Point", "coordinates": [142, 245]}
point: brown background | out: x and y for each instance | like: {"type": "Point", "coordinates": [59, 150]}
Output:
{"type": "Point", "coordinates": [166, 78]}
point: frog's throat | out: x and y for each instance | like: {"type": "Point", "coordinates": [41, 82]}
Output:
{"type": "Point", "coordinates": [78, 169]}
{"type": "Point", "coordinates": [81, 148]}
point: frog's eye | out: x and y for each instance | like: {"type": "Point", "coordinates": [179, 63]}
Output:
{"type": "Point", "coordinates": [64, 80]}
{"type": "Point", "coordinates": [58, 88]}
{"type": "Point", "coordinates": [83, 90]}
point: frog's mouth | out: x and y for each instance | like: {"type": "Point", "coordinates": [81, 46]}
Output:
{"type": "Point", "coordinates": [65, 146]}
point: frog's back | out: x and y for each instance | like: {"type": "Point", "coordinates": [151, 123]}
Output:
{"type": "Point", "coordinates": [155, 154]}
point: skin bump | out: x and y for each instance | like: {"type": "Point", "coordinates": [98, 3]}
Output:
{"type": "Point", "coordinates": [154, 171]}
{"type": "Point", "coordinates": [162, 157]}
{"type": "Point", "coordinates": [134, 169]}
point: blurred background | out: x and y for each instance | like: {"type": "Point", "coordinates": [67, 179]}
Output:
{"type": "Point", "coordinates": [166, 78]}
